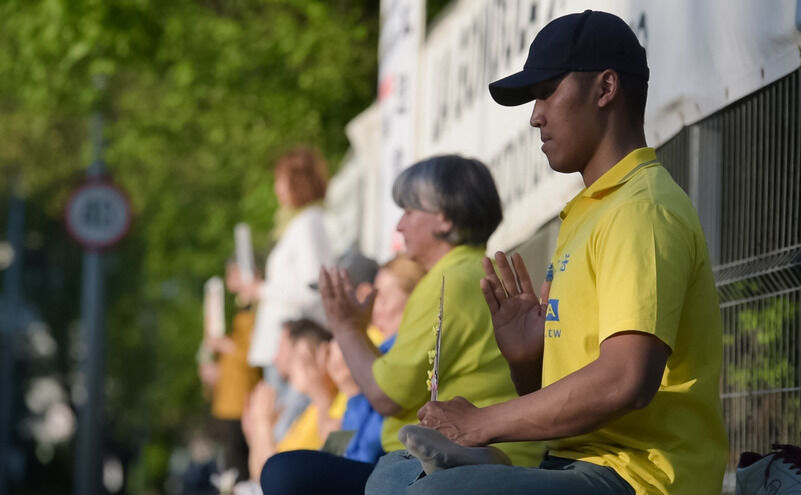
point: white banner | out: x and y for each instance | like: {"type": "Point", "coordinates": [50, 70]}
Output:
{"type": "Point", "coordinates": [343, 208]}
{"type": "Point", "coordinates": [702, 55]}
{"type": "Point", "coordinates": [364, 134]}
{"type": "Point", "coordinates": [402, 30]}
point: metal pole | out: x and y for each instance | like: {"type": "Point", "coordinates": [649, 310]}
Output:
{"type": "Point", "coordinates": [88, 461]}
{"type": "Point", "coordinates": [9, 323]}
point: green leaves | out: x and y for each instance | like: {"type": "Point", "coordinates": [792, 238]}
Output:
{"type": "Point", "coordinates": [758, 333]}
{"type": "Point", "coordinates": [200, 97]}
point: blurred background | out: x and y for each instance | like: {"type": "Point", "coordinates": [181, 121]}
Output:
{"type": "Point", "coordinates": [198, 99]}
{"type": "Point", "coordinates": [188, 103]}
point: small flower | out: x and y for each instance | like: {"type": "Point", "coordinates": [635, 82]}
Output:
{"type": "Point", "coordinates": [434, 330]}
{"type": "Point", "coordinates": [428, 384]}
{"type": "Point", "coordinates": [431, 355]}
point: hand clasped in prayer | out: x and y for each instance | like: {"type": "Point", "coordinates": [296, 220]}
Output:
{"type": "Point", "coordinates": [344, 310]}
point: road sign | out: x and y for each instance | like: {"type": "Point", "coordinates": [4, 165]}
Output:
{"type": "Point", "coordinates": [98, 214]}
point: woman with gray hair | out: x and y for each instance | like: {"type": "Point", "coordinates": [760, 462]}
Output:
{"type": "Point", "coordinates": [460, 189]}
{"type": "Point", "coordinates": [451, 207]}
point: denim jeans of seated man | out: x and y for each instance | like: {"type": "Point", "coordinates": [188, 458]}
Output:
{"type": "Point", "coordinates": [400, 473]}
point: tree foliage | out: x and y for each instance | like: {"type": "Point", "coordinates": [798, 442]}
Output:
{"type": "Point", "coordinates": [199, 97]}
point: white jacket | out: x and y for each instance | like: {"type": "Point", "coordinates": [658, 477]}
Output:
{"type": "Point", "coordinates": [293, 264]}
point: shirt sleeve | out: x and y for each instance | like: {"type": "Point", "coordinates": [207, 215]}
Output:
{"type": "Point", "coordinates": [401, 373]}
{"type": "Point", "coordinates": [644, 258]}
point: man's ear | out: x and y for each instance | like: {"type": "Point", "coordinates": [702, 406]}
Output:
{"type": "Point", "coordinates": [608, 85]}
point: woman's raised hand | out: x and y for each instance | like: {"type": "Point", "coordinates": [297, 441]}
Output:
{"type": "Point", "coordinates": [345, 312]}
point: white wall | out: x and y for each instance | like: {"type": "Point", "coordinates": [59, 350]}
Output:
{"type": "Point", "coordinates": [703, 55]}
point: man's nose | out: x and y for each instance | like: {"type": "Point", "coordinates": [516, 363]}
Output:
{"type": "Point", "coordinates": [536, 116]}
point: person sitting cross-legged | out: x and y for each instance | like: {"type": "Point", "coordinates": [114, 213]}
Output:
{"type": "Point", "coordinates": [617, 367]}
{"type": "Point", "coordinates": [289, 472]}
{"type": "Point", "coordinates": [451, 207]}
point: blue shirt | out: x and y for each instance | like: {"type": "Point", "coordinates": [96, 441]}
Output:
{"type": "Point", "coordinates": [365, 446]}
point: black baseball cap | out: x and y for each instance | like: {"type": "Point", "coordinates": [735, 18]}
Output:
{"type": "Point", "coordinates": [592, 41]}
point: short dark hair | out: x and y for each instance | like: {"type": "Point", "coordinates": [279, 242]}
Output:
{"type": "Point", "coordinates": [461, 188]}
{"type": "Point", "coordinates": [633, 89]}
{"type": "Point", "coordinates": [304, 328]}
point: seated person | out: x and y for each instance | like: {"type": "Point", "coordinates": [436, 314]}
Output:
{"type": "Point", "coordinates": [451, 207]}
{"type": "Point", "coordinates": [309, 375]}
{"type": "Point", "coordinates": [303, 348]}
{"type": "Point", "coordinates": [393, 285]}
{"type": "Point", "coordinates": [288, 472]}
{"type": "Point", "coordinates": [618, 365]}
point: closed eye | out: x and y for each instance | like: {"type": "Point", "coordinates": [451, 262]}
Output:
{"type": "Point", "coordinates": [543, 90]}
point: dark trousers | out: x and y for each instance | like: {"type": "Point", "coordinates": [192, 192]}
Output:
{"type": "Point", "coordinates": [228, 432]}
{"type": "Point", "coordinates": [311, 471]}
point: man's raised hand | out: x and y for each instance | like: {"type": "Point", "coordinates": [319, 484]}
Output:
{"type": "Point", "coordinates": [517, 315]}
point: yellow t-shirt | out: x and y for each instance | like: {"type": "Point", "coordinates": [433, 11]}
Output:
{"type": "Point", "coordinates": [631, 256]}
{"type": "Point", "coordinates": [470, 363]}
{"type": "Point", "coordinates": [303, 434]}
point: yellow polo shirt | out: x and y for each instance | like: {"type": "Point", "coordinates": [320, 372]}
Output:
{"type": "Point", "coordinates": [631, 256]}
{"type": "Point", "coordinates": [470, 363]}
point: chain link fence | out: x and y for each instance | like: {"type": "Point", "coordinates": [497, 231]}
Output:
{"type": "Point", "coordinates": [742, 169]}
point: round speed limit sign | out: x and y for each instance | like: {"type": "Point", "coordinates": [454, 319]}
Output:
{"type": "Point", "coordinates": [98, 214]}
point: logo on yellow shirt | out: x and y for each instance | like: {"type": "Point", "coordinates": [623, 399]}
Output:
{"type": "Point", "coordinates": [552, 313]}
{"type": "Point", "coordinates": [563, 262]}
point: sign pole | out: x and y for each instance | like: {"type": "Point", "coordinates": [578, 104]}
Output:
{"type": "Point", "coordinates": [9, 328]}
{"type": "Point", "coordinates": [88, 462]}
{"type": "Point", "coordinates": [97, 215]}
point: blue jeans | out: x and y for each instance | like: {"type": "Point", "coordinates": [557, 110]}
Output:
{"type": "Point", "coordinates": [400, 473]}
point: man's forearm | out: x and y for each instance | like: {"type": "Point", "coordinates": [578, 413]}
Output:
{"type": "Point", "coordinates": [526, 368]}
{"type": "Point", "coordinates": [624, 378]}
{"type": "Point", "coordinates": [527, 377]}
{"type": "Point", "coordinates": [575, 405]}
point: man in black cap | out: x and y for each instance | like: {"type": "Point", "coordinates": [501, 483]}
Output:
{"type": "Point", "coordinates": [617, 366]}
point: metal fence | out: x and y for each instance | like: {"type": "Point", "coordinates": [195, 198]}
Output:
{"type": "Point", "coordinates": [742, 169]}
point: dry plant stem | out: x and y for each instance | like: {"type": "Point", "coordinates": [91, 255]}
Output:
{"type": "Point", "coordinates": [434, 380]}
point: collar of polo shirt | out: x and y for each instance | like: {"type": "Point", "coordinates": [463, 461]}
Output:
{"type": "Point", "coordinates": [618, 175]}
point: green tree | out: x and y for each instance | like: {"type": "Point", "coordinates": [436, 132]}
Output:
{"type": "Point", "coordinates": [759, 376]}
{"type": "Point", "coordinates": [199, 98]}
